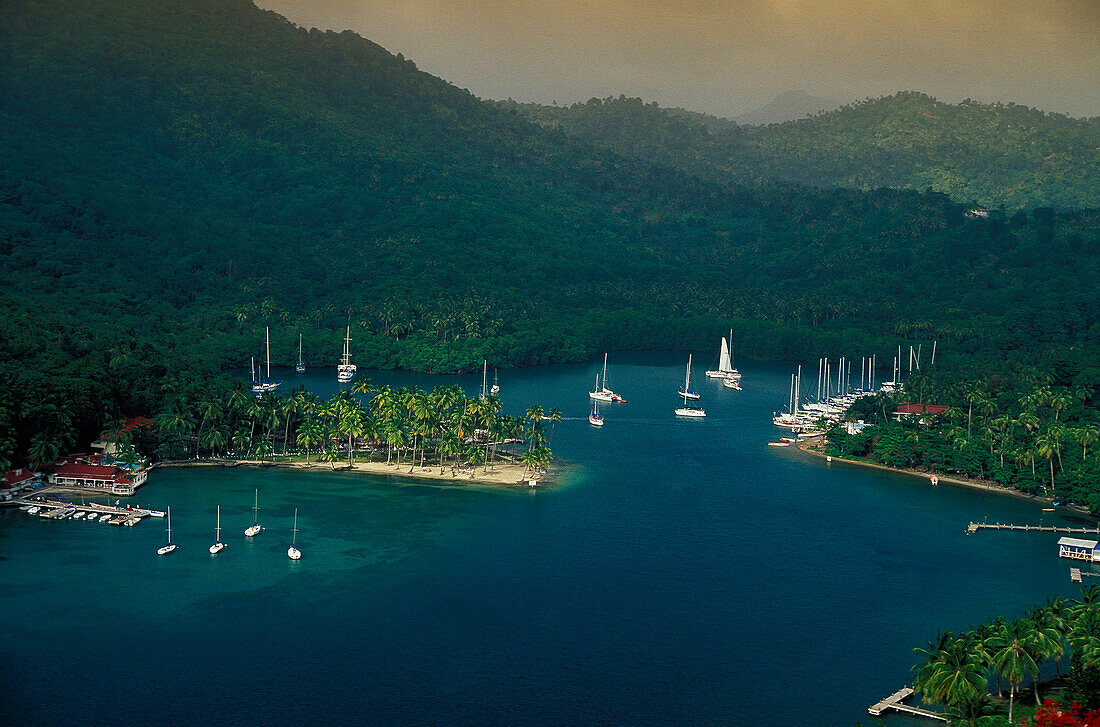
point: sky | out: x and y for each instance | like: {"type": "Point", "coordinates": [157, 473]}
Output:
{"type": "Point", "coordinates": [727, 57]}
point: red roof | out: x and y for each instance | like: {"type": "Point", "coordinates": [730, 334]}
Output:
{"type": "Point", "coordinates": [15, 478]}
{"type": "Point", "coordinates": [920, 409]}
{"type": "Point", "coordinates": [88, 471]}
{"type": "Point", "coordinates": [137, 423]}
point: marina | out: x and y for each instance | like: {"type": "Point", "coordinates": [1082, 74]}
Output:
{"type": "Point", "coordinates": [656, 548]}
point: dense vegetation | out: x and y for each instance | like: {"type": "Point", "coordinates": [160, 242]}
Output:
{"type": "Point", "coordinates": [442, 428]}
{"type": "Point", "coordinates": [1029, 432]}
{"type": "Point", "coordinates": [955, 669]}
{"type": "Point", "coordinates": [181, 174]}
{"type": "Point", "coordinates": [992, 154]}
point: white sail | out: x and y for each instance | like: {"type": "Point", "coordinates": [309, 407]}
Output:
{"type": "Point", "coordinates": [724, 357]}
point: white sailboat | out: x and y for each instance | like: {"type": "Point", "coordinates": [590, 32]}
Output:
{"type": "Point", "coordinates": [260, 387]}
{"type": "Point", "coordinates": [301, 367]}
{"type": "Point", "coordinates": [218, 545]}
{"type": "Point", "coordinates": [254, 528]}
{"type": "Point", "coordinates": [345, 372]}
{"type": "Point", "coordinates": [292, 552]}
{"type": "Point", "coordinates": [685, 410]}
{"type": "Point", "coordinates": [725, 368]}
{"type": "Point", "coordinates": [166, 549]}
{"type": "Point", "coordinates": [496, 384]}
{"type": "Point", "coordinates": [601, 392]}
{"type": "Point", "coordinates": [595, 418]}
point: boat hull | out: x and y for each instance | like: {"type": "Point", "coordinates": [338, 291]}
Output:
{"type": "Point", "coordinates": [691, 413]}
{"type": "Point", "coordinates": [253, 530]}
{"type": "Point", "coordinates": [595, 421]}
{"type": "Point", "coordinates": [170, 548]}
{"type": "Point", "coordinates": [217, 548]}
{"type": "Point", "coordinates": [293, 553]}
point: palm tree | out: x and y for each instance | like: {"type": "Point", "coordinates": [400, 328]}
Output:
{"type": "Point", "coordinates": [308, 435]}
{"type": "Point", "coordinates": [1086, 435]}
{"type": "Point", "coordinates": [951, 672]}
{"type": "Point", "coordinates": [1048, 445]}
{"type": "Point", "coordinates": [43, 449]}
{"type": "Point", "coordinates": [1047, 638]}
{"type": "Point", "coordinates": [240, 442]}
{"type": "Point", "coordinates": [1013, 656]}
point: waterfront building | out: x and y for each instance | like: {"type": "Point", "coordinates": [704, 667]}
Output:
{"type": "Point", "coordinates": [1078, 549]}
{"type": "Point", "coordinates": [93, 473]}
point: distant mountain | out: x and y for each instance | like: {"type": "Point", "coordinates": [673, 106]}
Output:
{"type": "Point", "coordinates": [188, 172]}
{"type": "Point", "coordinates": [788, 106]}
{"type": "Point", "coordinates": [991, 154]}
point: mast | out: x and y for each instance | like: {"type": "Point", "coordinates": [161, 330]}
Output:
{"type": "Point", "coordinates": [934, 352]}
{"type": "Point", "coordinates": [299, 349]}
{"type": "Point", "coordinates": [169, 524]}
{"type": "Point", "coordinates": [218, 529]}
{"type": "Point", "coordinates": [484, 376]}
{"type": "Point", "coordinates": [267, 341]}
{"type": "Point", "coordinates": [687, 379]}
{"type": "Point", "coordinates": [605, 368]}
{"type": "Point", "coordinates": [294, 531]}
{"type": "Point", "coordinates": [256, 508]}
{"type": "Point", "coordinates": [797, 386]}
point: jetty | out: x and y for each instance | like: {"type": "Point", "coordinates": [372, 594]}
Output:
{"type": "Point", "coordinates": [975, 527]}
{"type": "Point", "coordinates": [894, 701]}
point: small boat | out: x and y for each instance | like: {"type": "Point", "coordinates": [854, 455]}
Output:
{"type": "Point", "coordinates": [731, 383]}
{"type": "Point", "coordinates": [254, 528]}
{"type": "Point", "coordinates": [33, 510]}
{"type": "Point", "coordinates": [292, 552]}
{"type": "Point", "coordinates": [166, 549]}
{"type": "Point", "coordinates": [496, 384]}
{"type": "Point", "coordinates": [685, 410]}
{"type": "Point", "coordinates": [218, 545]}
{"type": "Point", "coordinates": [779, 444]}
{"type": "Point", "coordinates": [78, 515]}
{"type": "Point", "coordinates": [345, 372]}
{"type": "Point", "coordinates": [300, 367]}
{"type": "Point", "coordinates": [594, 418]}
{"type": "Point", "coordinates": [105, 518]}
{"type": "Point", "coordinates": [1048, 509]}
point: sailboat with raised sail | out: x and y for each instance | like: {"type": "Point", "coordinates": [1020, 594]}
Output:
{"type": "Point", "coordinates": [725, 368]}
{"type": "Point", "coordinates": [254, 528]}
{"type": "Point", "coordinates": [685, 410]}
{"type": "Point", "coordinates": [300, 367]}
{"type": "Point", "coordinates": [345, 372]}
{"type": "Point", "coordinates": [218, 545]}
{"type": "Point", "coordinates": [166, 549]}
{"type": "Point", "coordinates": [292, 552]}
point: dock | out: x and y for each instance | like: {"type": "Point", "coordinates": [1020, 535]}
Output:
{"type": "Point", "coordinates": [975, 527]}
{"type": "Point", "coordinates": [894, 701]}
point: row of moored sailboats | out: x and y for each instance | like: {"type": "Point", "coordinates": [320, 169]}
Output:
{"type": "Point", "coordinates": [251, 531]}
{"type": "Point", "coordinates": [345, 370]}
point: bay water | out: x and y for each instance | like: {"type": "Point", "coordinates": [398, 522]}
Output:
{"type": "Point", "coordinates": [679, 572]}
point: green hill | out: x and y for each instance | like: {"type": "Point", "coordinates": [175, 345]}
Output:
{"type": "Point", "coordinates": [179, 175]}
{"type": "Point", "coordinates": [989, 154]}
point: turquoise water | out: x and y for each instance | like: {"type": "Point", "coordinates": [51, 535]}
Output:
{"type": "Point", "coordinates": [685, 573]}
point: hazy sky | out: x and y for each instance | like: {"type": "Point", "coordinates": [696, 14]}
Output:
{"type": "Point", "coordinates": [727, 57]}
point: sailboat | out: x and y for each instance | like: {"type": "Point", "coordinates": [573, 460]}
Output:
{"type": "Point", "coordinates": [685, 410]}
{"type": "Point", "coordinates": [601, 392]}
{"type": "Point", "coordinates": [301, 367]}
{"type": "Point", "coordinates": [496, 384]}
{"type": "Point", "coordinates": [254, 528]}
{"type": "Point", "coordinates": [218, 545]}
{"type": "Point", "coordinates": [260, 387]}
{"type": "Point", "coordinates": [346, 370]}
{"type": "Point", "coordinates": [595, 419]}
{"type": "Point", "coordinates": [292, 552]}
{"type": "Point", "coordinates": [165, 550]}
{"type": "Point", "coordinates": [725, 368]}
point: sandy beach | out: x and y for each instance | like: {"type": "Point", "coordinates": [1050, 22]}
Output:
{"type": "Point", "coordinates": [500, 474]}
{"type": "Point", "coordinates": [814, 447]}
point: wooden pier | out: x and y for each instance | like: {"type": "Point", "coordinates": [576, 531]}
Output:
{"type": "Point", "coordinates": [975, 527]}
{"type": "Point", "coordinates": [894, 701]}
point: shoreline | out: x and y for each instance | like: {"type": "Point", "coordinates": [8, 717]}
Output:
{"type": "Point", "coordinates": [812, 447]}
{"type": "Point", "coordinates": [506, 474]}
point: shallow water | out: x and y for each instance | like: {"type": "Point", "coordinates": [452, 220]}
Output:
{"type": "Point", "coordinates": [684, 573]}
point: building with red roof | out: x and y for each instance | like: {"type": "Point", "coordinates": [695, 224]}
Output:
{"type": "Point", "coordinates": [94, 473]}
{"type": "Point", "coordinates": [15, 481]}
{"type": "Point", "coordinates": [923, 412]}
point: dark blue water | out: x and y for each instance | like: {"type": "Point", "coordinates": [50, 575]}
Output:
{"type": "Point", "coordinates": [684, 573]}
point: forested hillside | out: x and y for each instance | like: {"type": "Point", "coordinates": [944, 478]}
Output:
{"type": "Point", "coordinates": [990, 154]}
{"type": "Point", "coordinates": [179, 175]}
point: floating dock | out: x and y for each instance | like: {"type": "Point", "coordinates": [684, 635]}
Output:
{"type": "Point", "coordinates": [894, 701]}
{"type": "Point", "coordinates": [975, 527]}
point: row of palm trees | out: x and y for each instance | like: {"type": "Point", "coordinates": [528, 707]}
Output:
{"type": "Point", "coordinates": [955, 669]}
{"type": "Point", "coordinates": [442, 427]}
{"type": "Point", "coordinates": [1018, 426]}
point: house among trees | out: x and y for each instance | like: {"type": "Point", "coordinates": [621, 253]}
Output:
{"type": "Point", "coordinates": [129, 428]}
{"type": "Point", "coordinates": [92, 472]}
{"type": "Point", "coordinates": [920, 412]}
{"type": "Point", "coordinates": [15, 482]}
